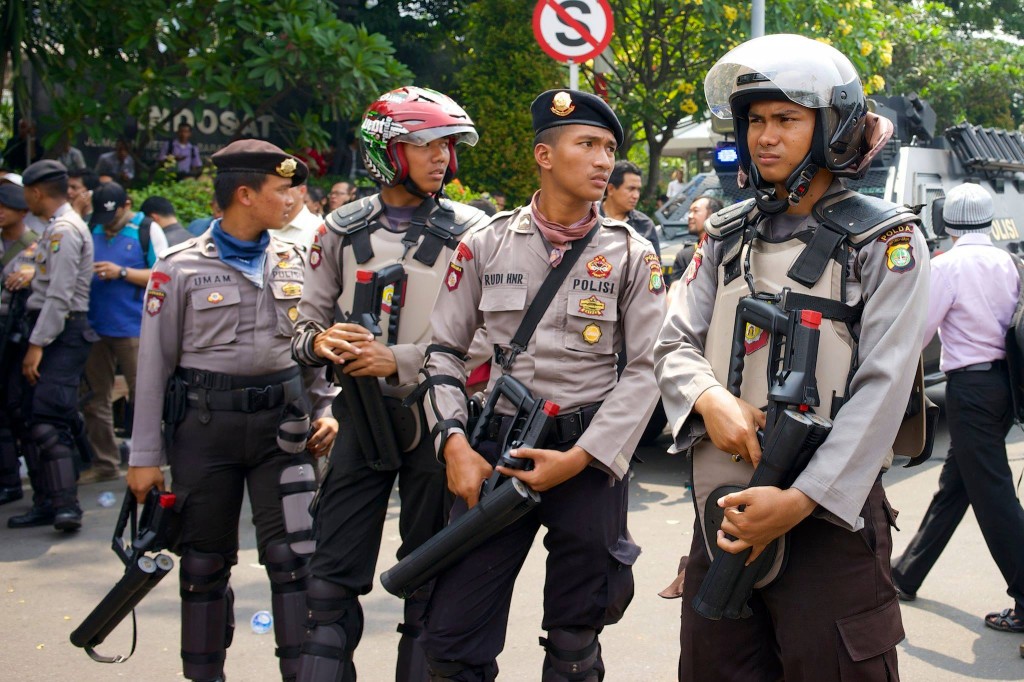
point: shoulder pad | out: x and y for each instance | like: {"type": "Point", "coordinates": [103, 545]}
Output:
{"type": "Point", "coordinates": [177, 248]}
{"type": "Point", "coordinates": [860, 217]}
{"type": "Point", "coordinates": [279, 245]}
{"type": "Point", "coordinates": [730, 219]}
{"type": "Point", "coordinates": [354, 215]}
{"type": "Point", "coordinates": [456, 218]}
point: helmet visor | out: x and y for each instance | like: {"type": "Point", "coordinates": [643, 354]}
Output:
{"type": "Point", "coordinates": [804, 70]}
{"type": "Point", "coordinates": [421, 138]}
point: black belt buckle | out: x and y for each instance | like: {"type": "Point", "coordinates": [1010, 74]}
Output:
{"type": "Point", "coordinates": [258, 398]}
{"type": "Point", "coordinates": [570, 426]}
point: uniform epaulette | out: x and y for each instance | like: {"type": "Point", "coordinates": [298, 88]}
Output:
{"type": "Point", "coordinates": [861, 218]}
{"type": "Point", "coordinates": [178, 248]}
{"type": "Point", "coordinates": [729, 220]}
{"type": "Point", "coordinates": [354, 214]}
{"type": "Point", "coordinates": [456, 218]}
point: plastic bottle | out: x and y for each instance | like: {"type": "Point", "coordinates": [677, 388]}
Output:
{"type": "Point", "coordinates": [106, 499]}
{"type": "Point", "coordinates": [262, 622]}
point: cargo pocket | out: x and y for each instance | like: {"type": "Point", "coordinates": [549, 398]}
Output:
{"type": "Point", "coordinates": [622, 555]}
{"type": "Point", "coordinates": [869, 643]}
{"type": "Point", "coordinates": [286, 301]}
{"type": "Point", "coordinates": [590, 322]}
{"type": "Point", "coordinates": [215, 311]}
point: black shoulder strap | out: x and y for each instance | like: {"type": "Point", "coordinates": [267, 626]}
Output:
{"type": "Point", "coordinates": [811, 263]}
{"type": "Point", "coordinates": [540, 303]}
{"type": "Point", "coordinates": [144, 235]}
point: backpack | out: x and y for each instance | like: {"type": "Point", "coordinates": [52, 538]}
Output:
{"type": "Point", "coordinates": [1015, 348]}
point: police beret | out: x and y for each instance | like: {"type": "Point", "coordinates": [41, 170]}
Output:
{"type": "Point", "coordinates": [259, 156]}
{"type": "Point", "coordinates": [565, 107]}
{"type": "Point", "coordinates": [106, 199]}
{"type": "Point", "coordinates": [967, 207]}
{"type": "Point", "coordinates": [42, 171]}
{"type": "Point", "coordinates": [13, 196]}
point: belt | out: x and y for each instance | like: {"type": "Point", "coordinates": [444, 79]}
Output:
{"type": "Point", "coordinates": [226, 392]}
{"type": "Point", "coordinates": [568, 426]}
{"type": "Point", "coordinates": [33, 315]}
{"type": "Point", "coordinates": [979, 367]}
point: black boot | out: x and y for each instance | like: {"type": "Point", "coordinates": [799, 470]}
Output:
{"type": "Point", "coordinates": [36, 516]}
{"type": "Point", "coordinates": [11, 494]}
{"type": "Point", "coordinates": [68, 519]}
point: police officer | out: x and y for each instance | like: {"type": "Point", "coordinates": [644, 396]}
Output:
{"type": "Point", "coordinates": [974, 291]}
{"type": "Point", "coordinates": [832, 613]}
{"type": "Point", "coordinates": [613, 291]}
{"type": "Point", "coordinates": [58, 345]}
{"type": "Point", "coordinates": [18, 245]}
{"type": "Point", "coordinates": [409, 137]}
{"type": "Point", "coordinates": [214, 366]}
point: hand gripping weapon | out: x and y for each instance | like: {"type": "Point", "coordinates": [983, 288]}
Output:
{"type": "Point", "coordinates": [503, 500]}
{"type": "Point", "coordinates": [791, 435]}
{"type": "Point", "coordinates": [362, 395]}
{"type": "Point", "coordinates": [155, 530]}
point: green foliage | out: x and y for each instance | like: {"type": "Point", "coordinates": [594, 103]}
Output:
{"type": "Point", "coordinates": [501, 71]}
{"type": "Point", "coordinates": [293, 60]}
{"type": "Point", "coordinates": [457, 191]}
{"type": "Point", "coordinates": [190, 197]}
{"type": "Point", "coordinates": [949, 68]}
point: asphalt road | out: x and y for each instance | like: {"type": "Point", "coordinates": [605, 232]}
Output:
{"type": "Point", "coordinates": [49, 582]}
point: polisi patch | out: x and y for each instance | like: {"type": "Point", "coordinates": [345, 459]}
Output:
{"type": "Point", "coordinates": [593, 306]}
{"type": "Point", "coordinates": [599, 267]}
{"type": "Point", "coordinates": [899, 255]}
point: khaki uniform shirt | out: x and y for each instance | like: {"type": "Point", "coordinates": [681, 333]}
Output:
{"type": "Point", "coordinates": [23, 262]}
{"type": "Point", "coordinates": [204, 314]}
{"type": "Point", "coordinates": [842, 471]}
{"type": "Point", "coordinates": [613, 294]}
{"type": "Point", "coordinates": [63, 274]}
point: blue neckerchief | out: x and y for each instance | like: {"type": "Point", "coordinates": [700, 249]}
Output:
{"type": "Point", "coordinates": [246, 257]}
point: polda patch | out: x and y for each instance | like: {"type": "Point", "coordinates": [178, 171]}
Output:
{"type": "Point", "coordinates": [453, 277]}
{"type": "Point", "coordinates": [154, 302]}
{"type": "Point", "coordinates": [656, 283]}
{"type": "Point", "coordinates": [899, 255]}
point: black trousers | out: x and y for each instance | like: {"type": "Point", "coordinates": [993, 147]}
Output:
{"type": "Point", "coordinates": [976, 473]}
{"type": "Point", "coordinates": [210, 466]}
{"type": "Point", "coordinates": [832, 615]}
{"type": "Point", "coordinates": [354, 504]}
{"type": "Point", "coordinates": [14, 431]}
{"type": "Point", "coordinates": [589, 577]}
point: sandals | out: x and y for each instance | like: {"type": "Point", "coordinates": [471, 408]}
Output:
{"type": "Point", "coordinates": [1007, 620]}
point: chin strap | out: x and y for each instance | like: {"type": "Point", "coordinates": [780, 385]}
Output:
{"type": "Point", "coordinates": [798, 183]}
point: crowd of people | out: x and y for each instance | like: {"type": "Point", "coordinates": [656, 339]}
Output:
{"type": "Point", "coordinates": [281, 330]}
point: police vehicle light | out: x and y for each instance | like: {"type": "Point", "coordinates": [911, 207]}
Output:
{"type": "Point", "coordinates": [726, 158]}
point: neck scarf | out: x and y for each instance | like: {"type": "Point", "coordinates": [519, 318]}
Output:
{"type": "Point", "coordinates": [559, 236]}
{"type": "Point", "coordinates": [246, 257]}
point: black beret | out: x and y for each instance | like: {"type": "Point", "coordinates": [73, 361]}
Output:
{"type": "Point", "coordinates": [565, 107]}
{"type": "Point", "coordinates": [258, 156]}
{"type": "Point", "coordinates": [44, 170]}
{"type": "Point", "coordinates": [13, 196]}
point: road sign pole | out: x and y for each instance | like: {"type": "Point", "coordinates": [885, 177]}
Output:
{"type": "Point", "coordinates": [574, 75]}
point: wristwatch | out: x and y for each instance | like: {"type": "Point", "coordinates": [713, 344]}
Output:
{"type": "Point", "coordinates": [123, 273]}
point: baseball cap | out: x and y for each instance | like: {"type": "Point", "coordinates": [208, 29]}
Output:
{"type": "Point", "coordinates": [106, 199]}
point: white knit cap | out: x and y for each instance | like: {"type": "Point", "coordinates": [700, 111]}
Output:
{"type": "Point", "coordinates": [968, 210]}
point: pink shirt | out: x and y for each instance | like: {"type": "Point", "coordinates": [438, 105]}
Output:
{"type": "Point", "coordinates": [974, 290]}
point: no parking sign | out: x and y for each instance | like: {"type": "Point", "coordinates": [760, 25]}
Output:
{"type": "Point", "coordinates": [573, 31]}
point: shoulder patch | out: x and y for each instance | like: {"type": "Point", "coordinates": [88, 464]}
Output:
{"type": "Point", "coordinates": [178, 248]}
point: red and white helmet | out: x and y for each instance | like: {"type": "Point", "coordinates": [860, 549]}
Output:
{"type": "Point", "coordinates": [416, 116]}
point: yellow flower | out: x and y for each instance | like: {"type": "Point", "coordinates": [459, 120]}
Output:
{"type": "Point", "coordinates": [822, 39]}
{"type": "Point", "coordinates": [730, 13]}
{"type": "Point", "coordinates": [844, 27]}
{"type": "Point", "coordinates": [866, 48]}
{"type": "Point", "coordinates": [685, 88]}
{"type": "Point", "coordinates": [874, 84]}
{"type": "Point", "coordinates": [885, 58]}
{"type": "Point", "coordinates": [688, 107]}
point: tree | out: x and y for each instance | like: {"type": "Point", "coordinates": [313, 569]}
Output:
{"type": "Point", "coordinates": [662, 50]}
{"type": "Point", "coordinates": [501, 70]}
{"type": "Point", "coordinates": [292, 60]}
{"type": "Point", "coordinates": [948, 67]}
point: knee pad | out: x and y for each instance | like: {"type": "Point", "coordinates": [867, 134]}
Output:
{"type": "Point", "coordinates": [207, 615]}
{"type": "Point", "coordinates": [573, 655]}
{"type": "Point", "coordinates": [288, 573]}
{"type": "Point", "coordinates": [336, 622]}
{"type": "Point", "coordinates": [57, 460]}
{"type": "Point", "coordinates": [457, 671]}
{"type": "Point", "coordinates": [412, 660]}
{"type": "Point", "coordinates": [8, 459]}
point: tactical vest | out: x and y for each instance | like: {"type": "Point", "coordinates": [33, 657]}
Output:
{"type": "Point", "coordinates": [812, 272]}
{"type": "Point", "coordinates": [418, 250]}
